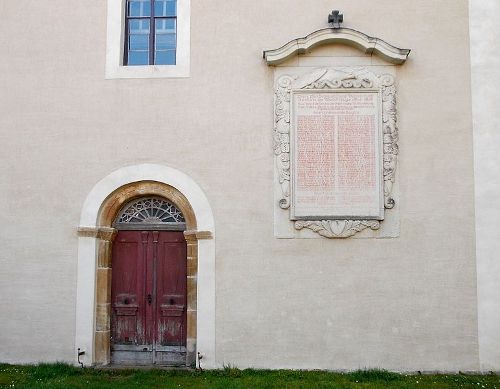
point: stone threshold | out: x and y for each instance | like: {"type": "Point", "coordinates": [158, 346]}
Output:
{"type": "Point", "coordinates": [145, 367]}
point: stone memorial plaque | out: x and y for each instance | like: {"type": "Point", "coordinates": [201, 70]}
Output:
{"type": "Point", "coordinates": [336, 155]}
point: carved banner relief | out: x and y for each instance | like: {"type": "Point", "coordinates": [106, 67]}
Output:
{"type": "Point", "coordinates": [336, 149]}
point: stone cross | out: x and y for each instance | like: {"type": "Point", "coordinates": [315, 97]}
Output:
{"type": "Point", "coordinates": [336, 18]}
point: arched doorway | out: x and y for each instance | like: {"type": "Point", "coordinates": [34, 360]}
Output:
{"type": "Point", "coordinates": [149, 284]}
{"type": "Point", "coordinates": [96, 234]}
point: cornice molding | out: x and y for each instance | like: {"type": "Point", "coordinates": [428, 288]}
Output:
{"type": "Point", "coordinates": [347, 36]}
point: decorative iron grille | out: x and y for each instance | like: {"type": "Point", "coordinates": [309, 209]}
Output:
{"type": "Point", "coordinates": [150, 211]}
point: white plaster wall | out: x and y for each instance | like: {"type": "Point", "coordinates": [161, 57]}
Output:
{"type": "Point", "coordinates": [485, 51]}
{"type": "Point", "coordinates": [407, 303]}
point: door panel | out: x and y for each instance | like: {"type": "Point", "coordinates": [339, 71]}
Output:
{"type": "Point", "coordinates": [127, 289]}
{"type": "Point", "coordinates": [171, 289]}
{"type": "Point", "coordinates": [149, 298]}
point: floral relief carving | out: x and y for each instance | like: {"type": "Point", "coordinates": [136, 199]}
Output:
{"type": "Point", "coordinates": [329, 78]}
{"type": "Point", "coordinates": [337, 228]}
{"type": "Point", "coordinates": [282, 138]}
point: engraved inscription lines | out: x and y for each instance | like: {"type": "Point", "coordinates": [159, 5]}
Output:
{"type": "Point", "coordinates": [336, 161]}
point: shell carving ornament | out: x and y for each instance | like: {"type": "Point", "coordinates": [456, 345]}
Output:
{"type": "Point", "coordinates": [338, 79]}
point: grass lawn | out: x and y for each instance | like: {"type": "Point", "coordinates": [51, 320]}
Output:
{"type": "Point", "coordinates": [65, 376]}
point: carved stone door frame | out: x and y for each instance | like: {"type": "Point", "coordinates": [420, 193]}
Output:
{"type": "Point", "coordinates": [106, 235]}
{"type": "Point", "coordinates": [93, 333]}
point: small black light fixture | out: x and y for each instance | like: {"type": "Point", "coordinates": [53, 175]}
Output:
{"type": "Point", "coordinates": [336, 18]}
{"type": "Point", "coordinates": [80, 353]}
{"type": "Point", "coordinates": [200, 357]}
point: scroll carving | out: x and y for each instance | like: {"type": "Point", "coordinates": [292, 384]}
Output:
{"type": "Point", "coordinates": [338, 79]}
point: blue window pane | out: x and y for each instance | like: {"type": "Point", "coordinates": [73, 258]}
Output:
{"type": "Point", "coordinates": [138, 58]}
{"type": "Point", "coordinates": [165, 8]}
{"type": "Point", "coordinates": [138, 26]}
{"type": "Point", "coordinates": [139, 42]}
{"type": "Point", "coordinates": [165, 41]}
{"type": "Point", "coordinates": [139, 8]}
{"type": "Point", "coordinates": [165, 26]}
{"type": "Point", "coordinates": [165, 57]}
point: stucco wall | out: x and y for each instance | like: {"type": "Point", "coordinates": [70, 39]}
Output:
{"type": "Point", "coordinates": [404, 304]}
{"type": "Point", "coordinates": [485, 54]}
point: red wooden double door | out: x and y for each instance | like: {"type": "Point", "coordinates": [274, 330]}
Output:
{"type": "Point", "coordinates": [148, 298]}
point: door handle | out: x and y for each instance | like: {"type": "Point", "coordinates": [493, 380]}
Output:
{"type": "Point", "coordinates": [150, 299]}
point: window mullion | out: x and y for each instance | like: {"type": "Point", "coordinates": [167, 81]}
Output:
{"type": "Point", "coordinates": [152, 34]}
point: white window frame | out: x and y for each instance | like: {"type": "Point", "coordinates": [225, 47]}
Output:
{"type": "Point", "coordinates": [116, 42]}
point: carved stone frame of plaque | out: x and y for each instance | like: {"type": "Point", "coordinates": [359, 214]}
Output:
{"type": "Point", "coordinates": [335, 80]}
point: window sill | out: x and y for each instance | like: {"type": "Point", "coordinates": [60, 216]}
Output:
{"type": "Point", "coordinates": [153, 71]}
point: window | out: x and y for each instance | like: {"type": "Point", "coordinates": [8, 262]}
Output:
{"type": "Point", "coordinates": [148, 39]}
{"type": "Point", "coordinates": [151, 32]}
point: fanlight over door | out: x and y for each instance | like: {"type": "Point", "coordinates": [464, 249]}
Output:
{"type": "Point", "coordinates": [151, 213]}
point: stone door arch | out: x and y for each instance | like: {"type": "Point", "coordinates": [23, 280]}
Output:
{"type": "Point", "coordinates": [95, 253]}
